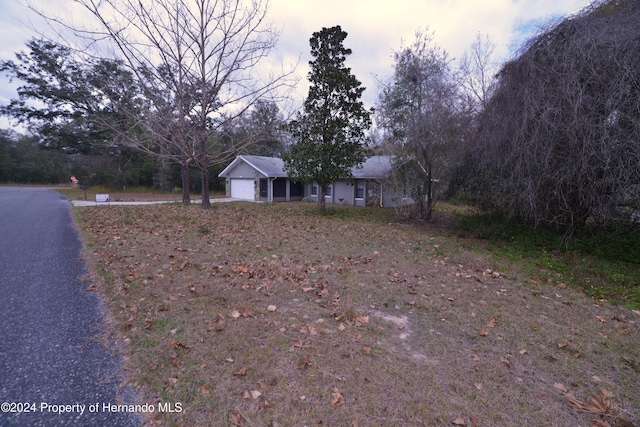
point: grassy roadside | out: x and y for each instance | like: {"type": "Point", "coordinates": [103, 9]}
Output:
{"type": "Point", "coordinates": [267, 315]}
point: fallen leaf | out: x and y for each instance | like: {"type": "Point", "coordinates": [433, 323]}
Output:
{"type": "Point", "coordinates": [272, 308]}
{"type": "Point", "coordinates": [493, 322]}
{"type": "Point", "coordinates": [484, 333]}
{"type": "Point", "coordinates": [478, 385]}
{"type": "Point", "coordinates": [560, 387]}
{"type": "Point", "coordinates": [534, 325]}
{"type": "Point", "coordinates": [337, 398]}
{"type": "Point", "coordinates": [264, 404]}
{"type": "Point", "coordinates": [459, 422]}
{"type": "Point", "coordinates": [341, 327]}
{"type": "Point", "coordinates": [600, 405]}
{"type": "Point", "coordinates": [235, 314]}
{"type": "Point", "coordinates": [235, 418]}
{"type": "Point", "coordinates": [304, 362]}
{"type": "Point", "coordinates": [241, 372]}
{"type": "Point", "coordinates": [178, 345]}
{"type": "Point", "coordinates": [362, 319]}
{"type": "Point", "coordinates": [255, 394]}
{"type": "Point", "coordinates": [505, 361]}
{"type": "Point", "coordinates": [203, 389]}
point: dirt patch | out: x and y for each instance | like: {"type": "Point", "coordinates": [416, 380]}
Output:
{"type": "Point", "coordinates": [258, 314]}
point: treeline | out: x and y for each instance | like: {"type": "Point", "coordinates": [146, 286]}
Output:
{"type": "Point", "coordinates": [24, 160]}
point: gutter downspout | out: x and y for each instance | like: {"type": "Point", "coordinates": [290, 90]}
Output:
{"type": "Point", "coordinates": [270, 190]}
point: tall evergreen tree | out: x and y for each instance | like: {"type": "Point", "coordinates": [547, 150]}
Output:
{"type": "Point", "coordinates": [330, 133]}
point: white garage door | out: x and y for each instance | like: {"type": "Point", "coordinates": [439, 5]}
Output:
{"type": "Point", "coordinates": [242, 189]}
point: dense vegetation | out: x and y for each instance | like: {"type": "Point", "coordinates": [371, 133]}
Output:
{"type": "Point", "coordinates": [559, 141]}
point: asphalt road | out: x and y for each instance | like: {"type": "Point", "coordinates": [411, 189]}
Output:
{"type": "Point", "coordinates": [48, 322]}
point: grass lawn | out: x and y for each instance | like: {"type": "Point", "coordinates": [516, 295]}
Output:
{"type": "Point", "coordinates": [274, 315]}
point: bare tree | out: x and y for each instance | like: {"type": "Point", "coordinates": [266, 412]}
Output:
{"type": "Point", "coordinates": [197, 64]}
{"type": "Point", "coordinates": [418, 109]}
{"type": "Point", "coordinates": [559, 142]}
{"type": "Point", "coordinates": [478, 71]}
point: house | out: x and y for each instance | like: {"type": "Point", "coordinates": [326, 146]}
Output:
{"type": "Point", "coordinates": [259, 178]}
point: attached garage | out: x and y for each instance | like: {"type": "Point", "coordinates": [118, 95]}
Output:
{"type": "Point", "coordinates": [259, 178]}
{"type": "Point", "coordinates": [242, 188]}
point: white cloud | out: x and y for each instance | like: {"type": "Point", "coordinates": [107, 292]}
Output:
{"type": "Point", "coordinates": [376, 28]}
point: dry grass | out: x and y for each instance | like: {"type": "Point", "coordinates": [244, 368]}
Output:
{"type": "Point", "coordinates": [274, 315]}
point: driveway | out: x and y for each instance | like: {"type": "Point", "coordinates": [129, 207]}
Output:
{"type": "Point", "coordinates": [53, 369]}
{"type": "Point", "coordinates": [81, 203]}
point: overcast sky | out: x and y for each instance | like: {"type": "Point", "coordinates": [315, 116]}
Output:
{"type": "Point", "coordinates": [376, 28]}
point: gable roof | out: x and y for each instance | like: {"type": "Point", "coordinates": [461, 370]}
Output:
{"type": "Point", "coordinates": [375, 167]}
{"type": "Point", "coordinates": [272, 167]}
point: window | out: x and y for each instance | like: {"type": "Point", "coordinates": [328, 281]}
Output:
{"type": "Point", "coordinates": [360, 189]}
{"type": "Point", "coordinates": [314, 189]}
{"type": "Point", "coordinates": [329, 188]}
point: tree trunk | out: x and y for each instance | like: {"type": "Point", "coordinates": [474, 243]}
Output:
{"type": "Point", "coordinates": [204, 173]}
{"type": "Point", "coordinates": [429, 193]}
{"type": "Point", "coordinates": [321, 197]}
{"type": "Point", "coordinates": [184, 174]}
{"type": "Point", "coordinates": [206, 202]}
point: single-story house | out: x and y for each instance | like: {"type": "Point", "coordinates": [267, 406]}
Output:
{"type": "Point", "coordinates": [260, 178]}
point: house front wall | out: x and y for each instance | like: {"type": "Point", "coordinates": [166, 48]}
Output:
{"type": "Point", "coordinates": [243, 171]}
{"type": "Point", "coordinates": [346, 192]}
{"type": "Point", "coordinates": [343, 193]}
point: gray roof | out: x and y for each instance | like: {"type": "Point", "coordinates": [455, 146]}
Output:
{"type": "Point", "coordinates": [373, 168]}
{"type": "Point", "coordinates": [272, 167]}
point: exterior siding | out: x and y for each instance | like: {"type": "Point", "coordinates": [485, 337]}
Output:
{"type": "Point", "coordinates": [243, 170]}
{"type": "Point", "coordinates": [372, 190]}
{"type": "Point", "coordinates": [343, 193]}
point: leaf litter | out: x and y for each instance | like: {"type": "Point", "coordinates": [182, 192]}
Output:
{"type": "Point", "coordinates": [329, 319]}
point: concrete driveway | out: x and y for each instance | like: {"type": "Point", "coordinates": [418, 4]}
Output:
{"type": "Point", "coordinates": [53, 370]}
